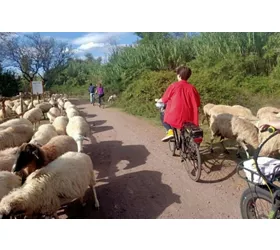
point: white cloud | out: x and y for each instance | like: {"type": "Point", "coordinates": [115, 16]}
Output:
{"type": "Point", "coordinates": [91, 45]}
{"type": "Point", "coordinates": [97, 38]}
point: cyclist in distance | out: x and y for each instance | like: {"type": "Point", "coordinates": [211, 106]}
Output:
{"type": "Point", "coordinates": [182, 102]}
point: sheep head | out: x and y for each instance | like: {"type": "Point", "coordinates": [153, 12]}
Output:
{"type": "Point", "coordinates": [28, 155]}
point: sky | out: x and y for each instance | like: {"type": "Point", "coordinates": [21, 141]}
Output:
{"type": "Point", "coordinates": [96, 43]}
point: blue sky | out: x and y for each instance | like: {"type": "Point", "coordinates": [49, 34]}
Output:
{"type": "Point", "coordinates": [96, 43]}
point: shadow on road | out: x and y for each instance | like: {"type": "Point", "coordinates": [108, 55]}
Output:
{"type": "Point", "coordinates": [109, 156]}
{"type": "Point", "coordinates": [139, 195]}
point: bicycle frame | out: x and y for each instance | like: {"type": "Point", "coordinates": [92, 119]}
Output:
{"type": "Point", "coordinates": [270, 184]}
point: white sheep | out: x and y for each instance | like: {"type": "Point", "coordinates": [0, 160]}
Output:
{"type": "Point", "coordinates": [79, 130]}
{"type": "Point", "coordinates": [53, 102]}
{"type": "Point", "coordinates": [71, 112]}
{"type": "Point", "coordinates": [60, 124]}
{"type": "Point", "coordinates": [44, 133]}
{"type": "Point", "coordinates": [60, 104]}
{"type": "Point", "coordinates": [242, 111]}
{"type": "Point", "coordinates": [8, 182]}
{"type": "Point", "coordinates": [264, 110]}
{"type": "Point", "coordinates": [8, 112]}
{"type": "Point", "coordinates": [14, 136]}
{"type": "Point", "coordinates": [66, 104]}
{"type": "Point", "coordinates": [17, 108]}
{"type": "Point", "coordinates": [15, 122]}
{"type": "Point", "coordinates": [44, 106]}
{"type": "Point", "coordinates": [27, 102]}
{"type": "Point", "coordinates": [232, 127]}
{"type": "Point", "coordinates": [206, 109]}
{"type": "Point", "coordinates": [47, 189]}
{"type": "Point", "coordinates": [112, 97]}
{"type": "Point", "coordinates": [9, 103]}
{"type": "Point", "coordinates": [53, 113]}
{"type": "Point", "coordinates": [34, 115]}
{"type": "Point", "coordinates": [7, 158]}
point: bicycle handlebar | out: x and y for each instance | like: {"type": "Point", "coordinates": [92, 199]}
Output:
{"type": "Point", "coordinates": [268, 128]}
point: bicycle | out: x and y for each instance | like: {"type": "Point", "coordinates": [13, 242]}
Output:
{"type": "Point", "coordinates": [188, 144]}
{"type": "Point", "coordinates": [263, 184]}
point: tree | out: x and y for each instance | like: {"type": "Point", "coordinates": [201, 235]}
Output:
{"type": "Point", "coordinates": [9, 83]}
{"type": "Point", "coordinates": [36, 55]}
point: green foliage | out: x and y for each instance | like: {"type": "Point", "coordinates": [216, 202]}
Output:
{"type": "Point", "coordinates": [9, 83]}
{"type": "Point", "coordinates": [138, 98]}
{"type": "Point", "coordinates": [227, 67]}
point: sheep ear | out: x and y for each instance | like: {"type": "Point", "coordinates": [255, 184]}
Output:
{"type": "Point", "coordinates": [35, 153]}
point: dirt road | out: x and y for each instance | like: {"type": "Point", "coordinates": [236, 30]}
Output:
{"type": "Point", "coordinates": [138, 177]}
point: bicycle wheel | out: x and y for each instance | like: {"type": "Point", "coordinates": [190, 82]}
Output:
{"type": "Point", "coordinates": [191, 158]}
{"type": "Point", "coordinates": [248, 203]}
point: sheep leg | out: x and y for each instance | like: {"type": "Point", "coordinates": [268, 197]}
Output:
{"type": "Point", "coordinates": [82, 201]}
{"type": "Point", "coordinates": [96, 202]}
{"type": "Point", "coordinates": [222, 142]}
{"type": "Point", "coordinates": [211, 142]}
{"type": "Point", "coordinates": [242, 144]}
{"type": "Point", "coordinates": [203, 118]}
{"type": "Point", "coordinates": [55, 215]}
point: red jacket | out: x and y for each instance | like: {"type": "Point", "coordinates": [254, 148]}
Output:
{"type": "Point", "coordinates": [182, 102]}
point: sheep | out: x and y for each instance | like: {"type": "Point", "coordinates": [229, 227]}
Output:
{"type": "Point", "coordinates": [47, 189]}
{"type": "Point", "coordinates": [232, 127]}
{"type": "Point", "coordinates": [44, 133]}
{"type": "Point", "coordinates": [60, 124]}
{"type": "Point", "coordinates": [264, 110]}
{"type": "Point", "coordinates": [14, 136]}
{"type": "Point", "coordinates": [7, 158]}
{"type": "Point", "coordinates": [31, 156]}
{"type": "Point", "coordinates": [242, 111]}
{"type": "Point", "coordinates": [206, 109]}
{"type": "Point", "coordinates": [8, 182]}
{"type": "Point", "coordinates": [15, 122]}
{"type": "Point", "coordinates": [71, 112]}
{"type": "Point", "coordinates": [112, 97]}
{"type": "Point", "coordinates": [27, 102]}
{"type": "Point", "coordinates": [53, 102]}
{"type": "Point", "coordinates": [53, 113]}
{"type": "Point", "coordinates": [17, 108]}
{"type": "Point", "coordinates": [79, 129]}
{"type": "Point", "coordinates": [8, 112]}
{"type": "Point", "coordinates": [60, 104]}
{"type": "Point", "coordinates": [66, 104]}
{"type": "Point", "coordinates": [34, 115]}
{"type": "Point", "coordinates": [9, 103]}
{"type": "Point", "coordinates": [45, 107]}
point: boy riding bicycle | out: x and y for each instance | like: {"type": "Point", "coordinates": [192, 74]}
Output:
{"type": "Point", "coordinates": [182, 102]}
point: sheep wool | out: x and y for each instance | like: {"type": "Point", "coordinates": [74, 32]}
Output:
{"type": "Point", "coordinates": [7, 158]}
{"type": "Point", "coordinates": [47, 189]}
{"type": "Point", "coordinates": [60, 124]}
{"type": "Point", "coordinates": [8, 181]}
{"type": "Point", "coordinates": [34, 115]}
{"type": "Point", "coordinates": [44, 134]}
{"type": "Point", "coordinates": [233, 127]}
{"type": "Point", "coordinates": [53, 113]}
{"type": "Point", "coordinates": [79, 130]}
{"type": "Point", "coordinates": [15, 122]}
{"type": "Point", "coordinates": [15, 135]}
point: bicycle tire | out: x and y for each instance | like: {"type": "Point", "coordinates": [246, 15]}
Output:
{"type": "Point", "coordinates": [189, 166]}
{"type": "Point", "coordinates": [248, 198]}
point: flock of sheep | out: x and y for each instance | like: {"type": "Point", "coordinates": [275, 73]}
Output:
{"type": "Point", "coordinates": [239, 123]}
{"type": "Point", "coordinates": [43, 167]}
